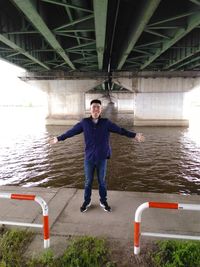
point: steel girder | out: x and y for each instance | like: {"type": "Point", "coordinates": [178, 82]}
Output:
{"type": "Point", "coordinates": [100, 13]}
{"type": "Point", "coordinates": [192, 22]}
{"type": "Point", "coordinates": [20, 50]}
{"type": "Point", "coordinates": [136, 30]}
{"type": "Point", "coordinates": [101, 35]}
{"type": "Point", "coordinates": [31, 13]}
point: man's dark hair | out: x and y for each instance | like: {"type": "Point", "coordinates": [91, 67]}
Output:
{"type": "Point", "coordinates": [97, 101]}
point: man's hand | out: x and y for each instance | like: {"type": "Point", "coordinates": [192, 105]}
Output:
{"type": "Point", "coordinates": [53, 141]}
{"type": "Point", "coordinates": [139, 137]}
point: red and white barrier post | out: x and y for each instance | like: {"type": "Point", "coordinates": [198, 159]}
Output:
{"type": "Point", "coordinates": [44, 207]}
{"type": "Point", "coordinates": [160, 205]}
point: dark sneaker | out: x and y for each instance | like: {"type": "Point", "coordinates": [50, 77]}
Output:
{"type": "Point", "coordinates": [85, 206]}
{"type": "Point", "coordinates": [105, 206]}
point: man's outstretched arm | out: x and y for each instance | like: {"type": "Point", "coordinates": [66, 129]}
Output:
{"type": "Point", "coordinates": [76, 129]}
{"type": "Point", "coordinates": [114, 128]}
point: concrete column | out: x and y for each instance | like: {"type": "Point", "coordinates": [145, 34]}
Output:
{"type": "Point", "coordinates": [149, 101]}
{"type": "Point", "coordinates": [162, 101]}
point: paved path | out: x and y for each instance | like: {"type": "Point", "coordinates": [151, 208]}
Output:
{"type": "Point", "coordinates": [66, 218]}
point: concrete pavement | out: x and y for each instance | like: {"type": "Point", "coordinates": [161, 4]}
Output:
{"type": "Point", "coordinates": [67, 220]}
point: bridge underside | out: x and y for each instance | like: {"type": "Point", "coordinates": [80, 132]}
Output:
{"type": "Point", "coordinates": [101, 35]}
{"type": "Point", "coordinates": [149, 101]}
{"type": "Point", "coordinates": [126, 49]}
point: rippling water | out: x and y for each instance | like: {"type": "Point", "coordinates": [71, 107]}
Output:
{"type": "Point", "coordinates": [168, 161]}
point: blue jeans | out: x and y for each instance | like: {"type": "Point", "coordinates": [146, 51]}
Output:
{"type": "Point", "coordinates": [100, 167]}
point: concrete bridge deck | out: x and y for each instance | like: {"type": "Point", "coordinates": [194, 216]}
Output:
{"type": "Point", "coordinates": [67, 220]}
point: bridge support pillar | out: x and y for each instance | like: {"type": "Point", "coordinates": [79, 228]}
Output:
{"type": "Point", "coordinates": [159, 101]}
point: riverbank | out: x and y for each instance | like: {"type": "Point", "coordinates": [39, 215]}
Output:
{"type": "Point", "coordinates": [66, 220]}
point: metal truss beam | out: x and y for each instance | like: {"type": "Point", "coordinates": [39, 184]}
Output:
{"type": "Point", "coordinates": [81, 46]}
{"type": "Point", "coordinates": [67, 5]}
{"type": "Point", "coordinates": [20, 50]}
{"type": "Point", "coordinates": [196, 2]}
{"type": "Point", "coordinates": [195, 65]}
{"type": "Point", "coordinates": [193, 21]}
{"type": "Point", "coordinates": [188, 62]}
{"type": "Point", "coordinates": [180, 16]}
{"type": "Point", "coordinates": [100, 15]}
{"type": "Point", "coordinates": [136, 30]}
{"type": "Point", "coordinates": [77, 36]}
{"type": "Point", "coordinates": [157, 34]}
{"type": "Point", "coordinates": [74, 22]}
{"type": "Point", "coordinates": [178, 62]}
{"type": "Point", "coordinates": [33, 16]}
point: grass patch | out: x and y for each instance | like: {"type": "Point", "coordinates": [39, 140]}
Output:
{"type": "Point", "coordinates": [81, 252]}
{"type": "Point", "coordinates": [12, 246]}
{"type": "Point", "coordinates": [87, 252]}
{"type": "Point", "coordinates": [172, 253]}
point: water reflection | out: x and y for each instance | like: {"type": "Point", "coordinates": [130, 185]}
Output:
{"type": "Point", "coordinates": [168, 161]}
{"type": "Point", "coordinates": [111, 112]}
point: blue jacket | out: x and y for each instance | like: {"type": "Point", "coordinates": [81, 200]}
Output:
{"type": "Point", "coordinates": [97, 145]}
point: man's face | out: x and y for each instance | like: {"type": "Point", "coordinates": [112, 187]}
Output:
{"type": "Point", "coordinates": [95, 110]}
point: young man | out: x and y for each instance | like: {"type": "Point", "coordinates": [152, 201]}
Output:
{"type": "Point", "coordinates": [96, 132]}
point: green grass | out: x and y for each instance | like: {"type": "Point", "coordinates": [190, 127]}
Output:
{"type": "Point", "coordinates": [173, 253]}
{"type": "Point", "coordinates": [12, 245]}
{"type": "Point", "coordinates": [81, 252]}
{"type": "Point", "coordinates": [86, 252]}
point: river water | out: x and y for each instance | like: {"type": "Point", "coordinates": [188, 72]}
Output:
{"type": "Point", "coordinates": [168, 161]}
